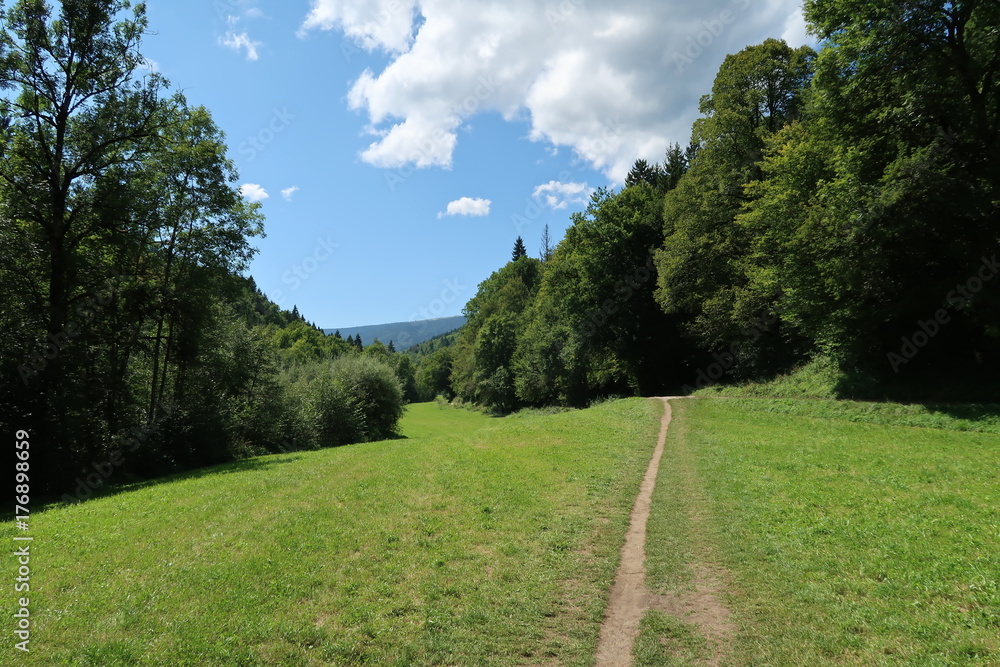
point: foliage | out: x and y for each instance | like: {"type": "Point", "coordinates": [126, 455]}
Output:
{"type": "Point", "coordinates": [481, 366]}
{"type": "Point", "coordinates": [127, 331]}
{"type": "Point", "coordinates": [374, 387]}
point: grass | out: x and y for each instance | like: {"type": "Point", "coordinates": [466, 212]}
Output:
{"type": "Point", "coordinates": [818, 378]}
{"type": "Point", "coordinates": [847, 541]}
{"type": "Point", "coordinates": [665, 641]}
{"type": "Point", "coordinates": [472, 541]}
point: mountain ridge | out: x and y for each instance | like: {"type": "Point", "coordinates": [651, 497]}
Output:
{"type": "Point", "coordinates": [402, 334]}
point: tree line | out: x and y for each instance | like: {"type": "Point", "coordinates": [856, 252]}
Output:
{"type": "Point", "coordinates": [132, 346]}
{"type": "Point", "coordinates": [838, 205]}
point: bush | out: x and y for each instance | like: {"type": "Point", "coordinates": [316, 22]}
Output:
{"type": "Point", "coordinates": [352, 399]}
{"type": "Point", "coordinates": [374, 388]}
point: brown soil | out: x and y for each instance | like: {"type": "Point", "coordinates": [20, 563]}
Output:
{"type": "Point", "coordinates": [700, 605]}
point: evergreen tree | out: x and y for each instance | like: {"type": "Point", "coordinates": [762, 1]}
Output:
{"type": "Point", "coordinates": [336, 334]}
{"type": "Point", "coordinates": [519, 250]}
{"type": "Point", "coordinates": [391, 348]}
{"type": "Point", "coordinates": [643, 172]}
{"type": "Point", "coordinates": [674, 166]}
{"type": "Point", "coordinates": [546, 252]}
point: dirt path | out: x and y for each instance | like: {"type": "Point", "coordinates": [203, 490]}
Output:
{"type": "Point", "coordinates": [630, 598]}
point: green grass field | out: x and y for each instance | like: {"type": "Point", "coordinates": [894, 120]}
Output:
{"type": "Point", "coordinates": [845, 542]}
{"type": "Point", "coordinates": [844, 539]}
{"type": "Point", "coordinates": [475, 541]}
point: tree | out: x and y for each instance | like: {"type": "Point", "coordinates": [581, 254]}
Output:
{"type": "Point", "coordinates": [595, 326]}
{"type": "Point", "coordinates": [81, 115]}
{"type": "Point", "coordinates": [545, 253]}
{"type": "Point", "coordinates": [700, 268]}
{"type": "Point", "coordinates": [675, 165]}
{"type": "Point", "coordinates": [642, 172]}
{"type": "Point", "coordinates": [519, 250]}
{"type": "Point", "coordinates": [886, 197]}
{"type": "Point", "coordinates": [481, 367]}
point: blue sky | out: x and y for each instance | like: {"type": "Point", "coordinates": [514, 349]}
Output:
{"type": "Point", "coordinates": [403, 145]}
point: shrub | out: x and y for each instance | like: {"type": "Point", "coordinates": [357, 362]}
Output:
{"type": "Point", "coordinates": [374, 388]}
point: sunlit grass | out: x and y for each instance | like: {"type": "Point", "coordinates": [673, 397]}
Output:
{"type": "Point", "coordinates": [474, 541]}
{"type": "Point", "coordinates": [846, 543]}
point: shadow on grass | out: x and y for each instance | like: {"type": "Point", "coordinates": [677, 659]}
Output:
{"type": "Point", "coordinates": [128, 485]}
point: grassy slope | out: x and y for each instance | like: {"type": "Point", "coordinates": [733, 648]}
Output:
{"type": "Point", "coordinates": [845, 542]}
{"type": "Point", "coordinates": [474, 541]}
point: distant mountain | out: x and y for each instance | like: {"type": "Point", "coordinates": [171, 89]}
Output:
{"type": "Point", "coordinates": [402, 334]}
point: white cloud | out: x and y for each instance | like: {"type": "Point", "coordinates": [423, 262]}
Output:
{"type": "Point", "coordinates": [288, 192]}
{"type": "Point", "coordinates": [253, 192]}
{"type": "Point", "coordinates": [468, 206]}
{"type": "Point", "coordinates": [560, 195]}
{"type": "Point", "coordinates": [795, 32]}
{"type": "Point", "coordinates": [613, 80]}
{"type": "Point", "coordinates": [241, 41]}
{"type": "Point", "coordinates": [372, 24]}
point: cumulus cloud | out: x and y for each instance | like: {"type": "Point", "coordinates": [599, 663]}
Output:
{"type": "Point", "coordinates": [612, 80]}
{"type": "Point", "coordinates": [796, 32]}
{"type": "Point", "coordinates": [467, 206]}
{"type": "Point", "coordinates": [253, 192]}
{"type": "Point", "coordinates": [241, 41]}
{"type": "Point", "coordinates": [559, 195]}
{"type": "Point", "coordinates": [288, 192]}
{"type": "Point", "coordinates": [386, 24]}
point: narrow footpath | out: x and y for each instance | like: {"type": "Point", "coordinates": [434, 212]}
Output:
{"type": "Point", "coordinates": [630, 599]}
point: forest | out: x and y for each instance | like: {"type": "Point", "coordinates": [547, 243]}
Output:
{"type": "Point", "coordinates": [836, 206]}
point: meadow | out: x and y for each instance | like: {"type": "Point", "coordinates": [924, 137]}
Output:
{"type": "Point", "coordinates": [843, 540]}
{"type": "Point", "coordinates": [474, 540]}
{"type": "Point", "coordinates": [838, 539]}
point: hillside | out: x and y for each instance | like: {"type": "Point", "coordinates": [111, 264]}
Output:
{"type": "Point", "coordinates": [402, 334]}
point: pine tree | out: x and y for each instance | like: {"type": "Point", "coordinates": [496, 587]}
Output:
{"type": "Point", "coordinates": [546, 252]}
{"type": "Point", "coordinates": [336, 334]}
{"type": "Point", "coordinates": [391, 348]}
{"type": "Point", "coordinates": [642, 172]}
{"type": "Point", "coordinates": [519, 250]}
{"type": "Point", "coordinates": [674, 166]}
